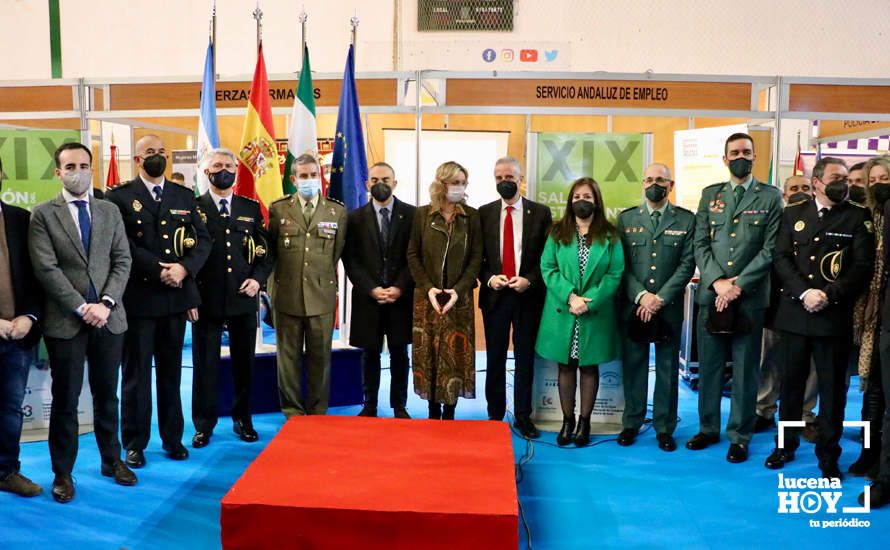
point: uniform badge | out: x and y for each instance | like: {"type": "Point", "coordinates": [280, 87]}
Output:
{"type": "Point", "coordinates": [287, 242]}
{"type": "Point", "coordinates": [869, 226]}
{"type": "Point", "coordinates": [799, 225]}
{"type": "Point", "coordinates": [333, 212]}
{"type": "Point", "coordinates": [203, 215]}
{"type": "Point", "coordinates": [137, 206]}
{"type": "Point", "coordinates": [830, 266]}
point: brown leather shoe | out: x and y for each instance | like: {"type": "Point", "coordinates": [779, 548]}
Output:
{"type": "Point", "coordinates": [121, 474]}
{"type": "Point", "coordinates": [18, 484]}
{"type": "Point", "coordinates": [63, 488]}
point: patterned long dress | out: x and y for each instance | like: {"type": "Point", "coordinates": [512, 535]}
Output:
{"type": "Point", "coordinates": [583, 252]}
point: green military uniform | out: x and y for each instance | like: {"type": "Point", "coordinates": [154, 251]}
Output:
{"type": "Point", "coordinates": [734, 237]}
{"type": "Point", "coordinates": [307, 246]}
{"type": "Point", "coordinates": [659, 258]}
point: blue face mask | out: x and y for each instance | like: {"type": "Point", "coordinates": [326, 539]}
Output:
{"type": "Point", "coordinates": [308, 188]}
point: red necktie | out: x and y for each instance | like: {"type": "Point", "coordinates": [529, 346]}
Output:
{"type": "Point", "coordinates": [508, 256]}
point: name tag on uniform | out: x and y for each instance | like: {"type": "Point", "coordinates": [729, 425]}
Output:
{"type": "Point", "coordinates": [675, 231]}
{"type": "Point", "coordinates": [841, 235]}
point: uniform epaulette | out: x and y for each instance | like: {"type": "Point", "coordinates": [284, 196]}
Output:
{"type": "Point", "coordinates": [120, 185]}
{"type": "Point", "coordinates": [797, 203]}
{"type": "Point", "coordinates": [716, 185]}
{"type": "Point", "coordinates": [859, 204]}
{"type": "Point", "coordinates": [630, 208]}
{"type": "Point", "coordinates": [256, 201]}
{"type": "Point", "coordinates": [678, 207]}
{"type": "Point", "coordinates": [335, 200]}
{"type": "Point", "coordinates": [284, 198]}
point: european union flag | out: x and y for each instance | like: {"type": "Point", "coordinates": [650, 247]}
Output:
{"type": "Point", "coordinates": [349, 167]}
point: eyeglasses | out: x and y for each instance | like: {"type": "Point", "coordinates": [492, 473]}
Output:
{"type": "Point", "coordinates": [659, 181]}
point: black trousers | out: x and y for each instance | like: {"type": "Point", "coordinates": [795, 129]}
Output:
{"type": "Point", "coordinates": [160, 338]}
{"type": "Point", "coordinates": [102, 350]}
{"type": "Point", "coordinates": [884, 473]}
{"type": "Point", "coordinates": [524, 316]}
{"type": "Point", "coordinates": [398, 365]}
{"type": "Point", "coordinates": [206, 338]}
{"type": "Point", "coordinates": [830, 355]}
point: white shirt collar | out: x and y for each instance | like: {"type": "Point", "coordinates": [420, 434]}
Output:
{"type": "Point", "coordinates": [516, 205]}
{"type": "Point", "coordinates": [71, 198]}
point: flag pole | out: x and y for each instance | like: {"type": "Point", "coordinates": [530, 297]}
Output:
{"type": "Point", "coordinates": [354, 22]}
{"type": "Point", "coordinates": [213, 35]}
{"type": "Point", "coordinates": [303, 18]}
{"type": "Point", "coordinates": [258, 15]}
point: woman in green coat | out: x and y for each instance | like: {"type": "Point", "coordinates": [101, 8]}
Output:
{"type": "Point", "coordinates": [581, 266]}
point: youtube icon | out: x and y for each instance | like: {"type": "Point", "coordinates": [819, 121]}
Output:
{"type": "Point", "coordinates": [528, 56]}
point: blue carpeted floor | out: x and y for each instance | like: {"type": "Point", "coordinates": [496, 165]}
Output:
{"type": "Point", "coordinates": [602, 496]}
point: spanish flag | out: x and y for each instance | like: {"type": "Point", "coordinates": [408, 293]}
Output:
{"type": "Point", "coordinates": [259, 175]}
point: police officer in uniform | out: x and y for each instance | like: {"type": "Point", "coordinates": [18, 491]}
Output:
{"type": "Point", "coordinates": [657, 237]}
{"type": "Point", "coordinates": [824, 257]}
{"type": "Point", "coordinates": [229, 282]}
{"type": "Point", "coordinates": [735, 232]}
{"type": "Point", "coordinates": [306, 234]}
{"type": "Point", "coordinates": [169, 244]}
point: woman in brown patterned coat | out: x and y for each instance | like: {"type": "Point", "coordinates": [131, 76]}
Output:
{"type": "Point", "coordinates": [444, 255]}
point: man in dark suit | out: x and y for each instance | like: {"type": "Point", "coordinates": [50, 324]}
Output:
{"type": "Point", "coordinates": [81, 257]}
{"type": "Point", "coordinates": [19, 305]}
{"type": "Point", "coordinates": [376, 263]}
{"type": "Point", "coordinates": [659, 262]}
{"type": "Point", "coordinates": [511, 292]}
{"type": "Point", "coordinates": [229, 282]}
{"type": "Point", "coordinates": [169, 244]}
{"type": "Point", "coordinates": [824, 256]}
{"type": "Point", "coordinates": [735, 232]}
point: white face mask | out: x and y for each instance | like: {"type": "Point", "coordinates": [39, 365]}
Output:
{"type": "Point", "coordinates": [77, 182]}
{"type": "Point", "coordinates": [456, 193]}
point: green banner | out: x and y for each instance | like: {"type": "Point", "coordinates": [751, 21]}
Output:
{"type": "Point", "coordinates": [615, 161]}
{"type": "Point", "coordinates": [28, 165]}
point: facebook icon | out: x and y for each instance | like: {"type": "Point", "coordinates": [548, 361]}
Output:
{"type": "Point", "coordinates": [488, 55]}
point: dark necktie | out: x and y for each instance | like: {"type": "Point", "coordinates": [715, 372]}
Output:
{"type": "Point", "coordinates": [655, 216]}
{"type": "Point", "coordinates": [384, 226]}
{"type": "Point", "coordinates": [157, 190]}
{"type": "Point", "coordinates": [83, 220]}
{"type": "Point", "coordinates": [738, 191]}
{"type": "Point", "coordinates": [508, 254]}
{"type": "Point", "coordinates": [223, 210]}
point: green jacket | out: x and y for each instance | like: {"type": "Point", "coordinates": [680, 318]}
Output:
{"type": "Point", "coordinates": [737, 240]}
{"type": "Point", "coordinates": [598, 334]}
{"type": "Point", "coordinates": [431, 248]}
{"type": "Point", "coordinates": [660, 261]}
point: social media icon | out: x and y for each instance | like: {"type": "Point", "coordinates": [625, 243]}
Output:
{"type": "Point", "coordinates": [550, 55]}
{"type": "Point", "coordinates": [507, 55]}
{"type": "Point", "coordinates": [528, 56]}
{"type": "Point", "coordinates": [488, 55]}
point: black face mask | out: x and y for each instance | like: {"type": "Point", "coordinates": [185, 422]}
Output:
{"type": "Point", "coordinates": [837, 191]}
{"type": "Point", "coordinates": [154, 165]}
{"type": "Point", "coordinates": [582, 209]}
{"type": "Point", "coordinates": [740, 167]}
{"type": "Point", "coordinates": [222, 179]}
{"type": "Point", "coordinates": [880, 191]}
{"type": "Point", "coordinates": [381, 192]}
{"type": "Point", "coordinates": [656, 193]}
{"type": "Point", "coordinates": [507, 189]}
{"type": "Point", "coordinates": [799, 197]}
{"type": "Point", "coordinates": [857, 194]}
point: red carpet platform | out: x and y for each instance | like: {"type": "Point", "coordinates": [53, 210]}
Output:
{"type": "Point", "coordinates": [349, 482]}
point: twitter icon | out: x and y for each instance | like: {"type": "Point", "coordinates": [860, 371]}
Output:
{"type": "Point", "coordinates": [550, 55]}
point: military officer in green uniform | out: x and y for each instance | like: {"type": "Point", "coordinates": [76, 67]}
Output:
{"type": "Point", "coordinates": [306, 234]}
{"type": "Point", "coordinates": [735, 233]}
{"type": "Point", "coordinates": [659, 262]}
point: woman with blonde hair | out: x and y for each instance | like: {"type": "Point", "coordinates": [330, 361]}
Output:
{"type": "Point", "coordinates": [444, 255]}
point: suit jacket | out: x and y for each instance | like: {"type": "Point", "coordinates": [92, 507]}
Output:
{"type": "Point", "coordinates": [658, 260]}
{"type": "Point", "coordinates": [737, 240]}
{"type": "Point", "coordinates": [371, 263]}
{"type": "Point", "coordinates": [25, 290]}
{"type": "Point", "coordinates": [306, 256]}
{"type": "Point", "coordinates": [161, 232]}
{"type": "Point", "coordinates": [598, 340]}
{"type": "Point", "coordinates": [65, 271]}
{"type": "Point", "coordinates": [536, 222]}
{"type": "Point", "coordinates": [834, 254]}
{"type": "Point", "coordinates": [239, 251]}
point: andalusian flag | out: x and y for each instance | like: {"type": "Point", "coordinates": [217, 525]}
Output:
{"type": "Point", "coordinates": [259, 174]}
{"type": "Point", "coordinates": [302, 137]}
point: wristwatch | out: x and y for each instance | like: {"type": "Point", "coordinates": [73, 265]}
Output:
{"type": "Point", "coordinates": [107, 302]}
